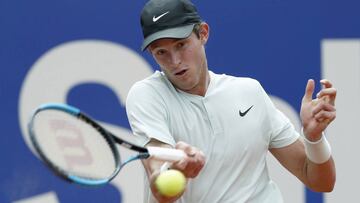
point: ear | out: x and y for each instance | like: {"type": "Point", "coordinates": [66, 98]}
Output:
{"type": "Point", "coordinates": [204, 32]}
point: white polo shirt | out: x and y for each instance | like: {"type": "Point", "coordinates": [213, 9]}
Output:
{"type": "Point", "coordinates": [234, 124]}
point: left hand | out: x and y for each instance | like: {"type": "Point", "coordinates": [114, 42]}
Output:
{"type": "Point", "coordinates": [317, 114]}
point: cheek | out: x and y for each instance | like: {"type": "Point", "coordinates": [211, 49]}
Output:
{"type": "Point", "coordinates": [162, 63]}
{"type": "Point", "coordinates": [196, 57]}
{"type": "Point", "coordinates": [191, 56]}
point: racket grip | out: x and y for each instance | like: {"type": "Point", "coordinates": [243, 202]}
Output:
{"type": "Point", "coordinates": [166, 154]}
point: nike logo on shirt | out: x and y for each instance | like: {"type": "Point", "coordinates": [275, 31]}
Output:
{"type": "Point", "coordinates": [242, 114]}
{"type": "Point", "coordinates": [157, 18]}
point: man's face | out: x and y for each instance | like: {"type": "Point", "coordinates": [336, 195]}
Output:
{"type": "Point", "coordinates": [183, 61]}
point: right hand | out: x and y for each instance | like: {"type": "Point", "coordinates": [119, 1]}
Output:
{"type": "Point", "coordinates": [191, 165]}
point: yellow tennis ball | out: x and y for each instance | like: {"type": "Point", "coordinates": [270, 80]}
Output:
{"type": "Point", "coordinates": [170, 183]}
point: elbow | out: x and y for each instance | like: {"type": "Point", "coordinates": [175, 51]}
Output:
{"type": "Point", "coordinates": [329, 188]}
{"type": "Point", "coordinates": [330, 184]}
{"type": "Point", "coordinates": [325, 186]}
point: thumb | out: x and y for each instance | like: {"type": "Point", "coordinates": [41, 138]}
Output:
{"type": "Point", "coordinates": [310, 86]}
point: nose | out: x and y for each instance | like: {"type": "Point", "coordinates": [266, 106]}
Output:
{"type": "Point", "coordinates": [175, 58]}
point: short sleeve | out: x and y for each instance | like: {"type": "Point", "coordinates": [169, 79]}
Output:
{"type": "Point", "coordinates": [147, 114]}
{"type": "Point", "coordinates": [282, 131]}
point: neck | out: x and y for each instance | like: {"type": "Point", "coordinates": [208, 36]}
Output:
{"type": "Point", "coordinates": [202, 87]}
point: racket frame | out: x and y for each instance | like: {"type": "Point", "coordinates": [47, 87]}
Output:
{"type": "Point", "coordinates": [165, 154]}
{"type": "Point", "coordinates": [109, 138]}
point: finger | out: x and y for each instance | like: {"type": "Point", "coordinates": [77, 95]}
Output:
{"type": "Point", "coordinates": [187, 167]}
{"type": "Point", "coordinates": [200, 162]}
{"type": "Point", "coordinates": [322, 106]}
{"type": "Point", "coordinates": [193, 169]}
{"type": "Point", "coordinates": [188, 149]}
{"type": "Point", "coordinates": [181, 145]}
{"type": "Point", "coordinates": [325, 116]}
{"type": "Point", "coordinates": [309, 90]}
{"type": "Point", "coordinates": [180, 165]}
{"type": "Point", "coordinates": [202, 157]}
{"type": "Point", "coordinates": [326, 83]}
{"type": "Point", "coordinates": [197, 158]}
{"type": "Point", "coordinates": [194, 164]}
{"type": "Point", "coordinates": [331, 92]}
{"type": "Point", "coordinates": [328, 94]}
{"type": "Point", "coordinates": [198, 169]}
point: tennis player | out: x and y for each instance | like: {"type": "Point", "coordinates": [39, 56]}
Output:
{"type": "Point", "coordinates": [226, 125]}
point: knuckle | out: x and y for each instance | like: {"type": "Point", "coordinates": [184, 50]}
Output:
{"type": "Point", "coordinates": [189, 151]}
{"type": "Point", "coordinates": [181, 145]}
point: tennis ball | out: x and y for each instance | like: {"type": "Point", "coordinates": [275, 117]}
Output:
{"type": "Point", "coordinates": [170, 183]}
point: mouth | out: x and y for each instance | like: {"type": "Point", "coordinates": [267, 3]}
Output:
{"type": "Point", "coordinates": [180, 73]}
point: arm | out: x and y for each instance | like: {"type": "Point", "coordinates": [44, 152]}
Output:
{"type": "Point", "coordinates": [190, 166]}
{"type": "Point", "coordinates": [317, 177]}
{"type": "Point", "coordinates": [316, 115]}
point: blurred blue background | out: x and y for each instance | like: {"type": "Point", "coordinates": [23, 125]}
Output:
{"type": "Point", "coordinates": [277, 42]}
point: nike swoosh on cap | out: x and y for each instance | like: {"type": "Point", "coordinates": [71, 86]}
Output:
{"type": "Point", "coordinates": [157, 18]}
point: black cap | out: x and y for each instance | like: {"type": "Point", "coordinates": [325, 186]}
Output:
{"type": "Point", "coordinates": [167, 19]}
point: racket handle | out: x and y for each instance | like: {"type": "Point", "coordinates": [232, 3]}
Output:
{"type": "Point", "coordinates": [166, 154]}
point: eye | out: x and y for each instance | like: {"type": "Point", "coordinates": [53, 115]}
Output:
{"type": "Point", "coordinates": [160, 52]}
{"type": "Point", "coordinates": [180, 44]}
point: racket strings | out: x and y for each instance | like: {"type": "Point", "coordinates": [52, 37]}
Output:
{"type": "Point", "coordinates": [73, 146]}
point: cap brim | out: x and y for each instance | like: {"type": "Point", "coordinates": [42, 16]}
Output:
{"type": "Point", "coordinates": [177, 33]}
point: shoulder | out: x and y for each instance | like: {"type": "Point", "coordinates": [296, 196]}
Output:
{"type": "Point", "coordinates": [150, 82]}
{"type": "Point", "coordinates": [155, 89]}
{"type": "Point", "coordinates": [154, 84]}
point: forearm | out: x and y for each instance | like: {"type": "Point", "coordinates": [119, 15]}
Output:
{"type": "Point", "coordinates": [319, 165]}
{"type": "Point", "coordinates": [317, 177]}
{"type": "Point", "coordinates": [320, 177]}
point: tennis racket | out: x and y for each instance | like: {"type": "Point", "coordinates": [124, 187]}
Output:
{"type": "Point", "coordinates": [78, 149]}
